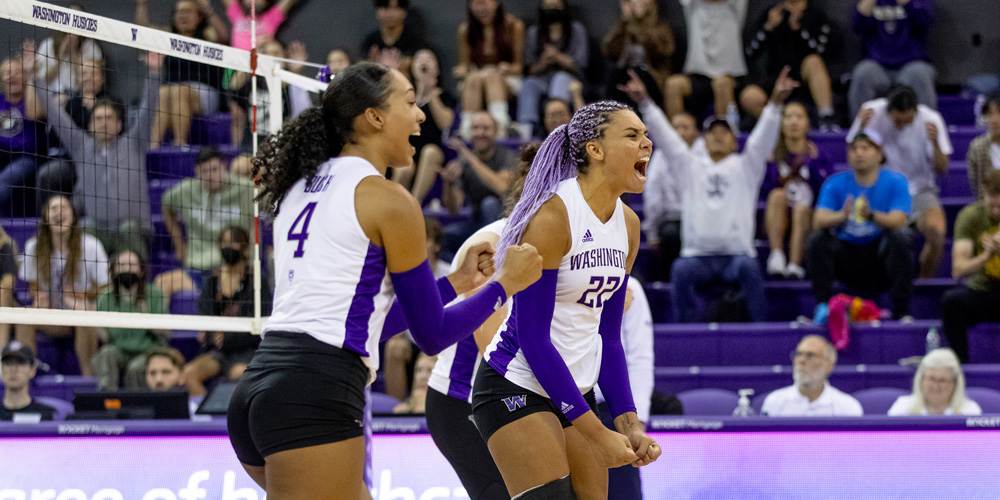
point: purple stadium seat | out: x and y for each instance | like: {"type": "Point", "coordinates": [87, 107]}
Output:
{"type": "Point", "coordinates": [177, 162]}
{"type": "Point", "coordinates": [62, 407]}
{"type": "Point", "coordinates": [988, 399]}
{"type": "Point", "coordinates": [878, 400]}
{"type": "Point", "coordinates": [700, 402]}
{"type": "Point", "coordinates": [383, 403]}
{"type": "Point", "coordinates": [62, 386]}
{"type": "Point", "coordinates": [20, 229]}
{"type": "Point", "coordinates": [956, 110]}
{"type": "Point", "coordinates": [184, 302]}
{"type": "Point", "coordinates": [212, 129]}
{"type": "Point", "coordinates": [758, 401]}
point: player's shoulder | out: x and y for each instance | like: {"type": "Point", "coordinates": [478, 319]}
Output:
{"type": "Point", "coordinates": [385, 197]}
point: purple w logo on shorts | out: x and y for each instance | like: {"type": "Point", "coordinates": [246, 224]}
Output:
{"type": "Point", "coordinates": [515, 402]}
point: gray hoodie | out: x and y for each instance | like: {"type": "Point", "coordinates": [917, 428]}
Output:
{"type": "Point", "coordinates": [111, 185]}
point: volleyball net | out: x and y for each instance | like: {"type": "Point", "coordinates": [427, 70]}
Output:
{"type": "Point", "coordinates": [126, 197]}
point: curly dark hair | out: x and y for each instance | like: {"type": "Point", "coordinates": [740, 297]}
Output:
{"type": "Point", "coordinates": [319, 133]}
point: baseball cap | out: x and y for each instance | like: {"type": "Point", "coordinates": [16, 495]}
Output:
{"type": "Point", "coordinates": [713, 121]}
{"type": "Point", "coordinates": [869, 135]}
{"type": "Point", "coordinates": [18, 350]}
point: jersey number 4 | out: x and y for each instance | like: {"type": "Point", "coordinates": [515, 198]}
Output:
{"type": "Point", "coordinates": [304, 217]}
{"type": "Point", "coordinates": [600, 290]}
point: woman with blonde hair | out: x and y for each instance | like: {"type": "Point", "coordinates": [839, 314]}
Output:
{"type": "Point", "coordinates": [938, 388]}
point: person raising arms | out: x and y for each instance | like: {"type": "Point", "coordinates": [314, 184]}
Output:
{"type": "Point", "coordinates": [295, 418]}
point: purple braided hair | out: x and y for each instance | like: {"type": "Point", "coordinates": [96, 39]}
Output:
{"type": "Point", "coordinates": [560, 157]}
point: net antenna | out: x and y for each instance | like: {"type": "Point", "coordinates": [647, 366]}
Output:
{"type": "Point", "coordinates": [61, 19]}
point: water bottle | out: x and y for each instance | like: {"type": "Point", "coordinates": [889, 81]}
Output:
{"type": "Point", "coordinates": [743, 408]}
{"type": "Point", "coordinates": [933, 339]}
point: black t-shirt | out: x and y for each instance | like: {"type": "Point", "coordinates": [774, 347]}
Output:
{"type": "Point", "coordinates": [430, 133]}
{"type": "Point", "coordinates": [34, 407]}
{"type": "Point", "coordinates": [176, 70]}
{"type": "Point", "coordinates": [408, 44]}
{"type": "Point", "coordinates": [213, 303]}
{"type": "Point", "coordinates": [475, 189]}
{"type": "Point", "coordinates": [8, 265]}
{"type": "Point", "coordinates": [80, 114]}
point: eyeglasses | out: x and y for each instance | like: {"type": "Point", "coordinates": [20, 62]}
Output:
{"type": "Point", "coordinates": [809, 356]}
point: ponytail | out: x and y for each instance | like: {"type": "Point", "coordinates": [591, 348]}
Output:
{"type": "Point", "coordinates": [319, 133]}
{"type": "Point", "coordinates": [552, 165]}
{"type": "Point", "coordinates": [562, 156]}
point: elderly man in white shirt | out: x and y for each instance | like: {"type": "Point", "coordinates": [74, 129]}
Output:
{"type": "Point", "coordinates": [916, 144]}
{"type": "Point", "coordinates": [811, 395]}
{"type": "Point", "coordinates": [719, 193]}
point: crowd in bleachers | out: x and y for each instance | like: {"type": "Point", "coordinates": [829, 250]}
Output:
{"type": "Point", "coordinates": [148, 208]}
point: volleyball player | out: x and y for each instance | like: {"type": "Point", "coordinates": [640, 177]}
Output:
{"type": "Point", "coordinates": [449, 413]}
{"type": "Point", "coordinates": [295, 420]}
{"type": "Point", "coordinates": [533, 400]}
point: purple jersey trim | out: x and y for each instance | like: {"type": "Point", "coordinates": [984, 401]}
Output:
{"type": "Point", "coordinates": [462, 367]}
{"type": "Point", "coordinates": [363, 303]}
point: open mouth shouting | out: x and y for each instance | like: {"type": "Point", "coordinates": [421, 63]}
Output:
{"type": "Point", "coordinates": [640, 168]}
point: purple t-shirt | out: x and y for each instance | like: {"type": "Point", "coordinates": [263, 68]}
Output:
{"type": "Point", "coordinates": [17, 134]}
{"type": "Point", "coordinates": [894, 34]}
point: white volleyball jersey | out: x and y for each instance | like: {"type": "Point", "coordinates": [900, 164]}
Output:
{"type": "Point", "coordinates": [456, 365]}
{"type": "Point", "coordinates": [589, 274]}
{"type": "Point", "coordinates": [328, 274]}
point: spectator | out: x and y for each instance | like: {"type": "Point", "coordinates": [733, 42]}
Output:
{"type": "Point", "coordinates": [417, 399]}
{"type": "Point", "coordinates": [391, 44]}
{"type": "Point", "coordinates": [859, 219]}
{"type": "Point", "coordinates": [201, 207]}
{"type": "Point", "coordinates": [641, 42]}
{"type": "Point", "coordinates": [661, 200]}
{"type": "Point", "coordinates": [18, 366]}
{"type": "Point", "coordinates": [164, 369]}
{"type": "Point", "coordinates": [637, 341]}
{"type": "Point", "coordinates": [58, 58]}
{"type": "Point", "coordinates": [975, 257]}
{"type": "Point", "coordinates": [481, 175]}
{"type": "Point", "coordinates": [400, 349]}
{"type": "Point", "coordinates": [228, 291]}
{"type": "Point", "coordinates": [555, 56]}
{"type": "Point", "coordinates": [22, 138]}
{"type": "Point", "coordinates": [917, 146]}
{"type": "Point", "coordinates": [938, 389]}
{"type": "Point", "coordinates": [8, 271]}
{"type": "Point", "coordinates": [270, 16]}
{"type": "Point", "coordinates": [895, 38]}
{"type": "Point", "coordinates": [437, 105]}
{"type": "Point", "coordinates": [490, 72]}
{"type": "Point", "coordinates": [984, 152]}
{"type": "Point", "coordinates": [81, 103]}
{"type": "Point", "coordinates": [794, 175]}
{"type": "Point", "coordinates": [65, 269]}
{"type": "Point", "coordinates": [338, 60]}
{"type": "Point", "coordinates": [125, 349]}
{"type": "Point", "coordinates": [811, 395]}
{"type": "Point", "coordinates": [110, 170]}
{"type": "Point", "coordinates": [719, 194]}
{"type": "Point", "coordinates": [190, 88]}
{"type": "Point", "coordinates": [793, 33]}
{"type": "Point", "coordinates": [714, 59]}
{"type": "Point", "coordinates": [556, 111]}
{"type": "Point", "coordinates": [294, 100]}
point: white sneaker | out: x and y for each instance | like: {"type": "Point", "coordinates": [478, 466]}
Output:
{"type": "Point", "coordinates": [776, 262]}
{"type": "Point", "coordinates": [795, 271]}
